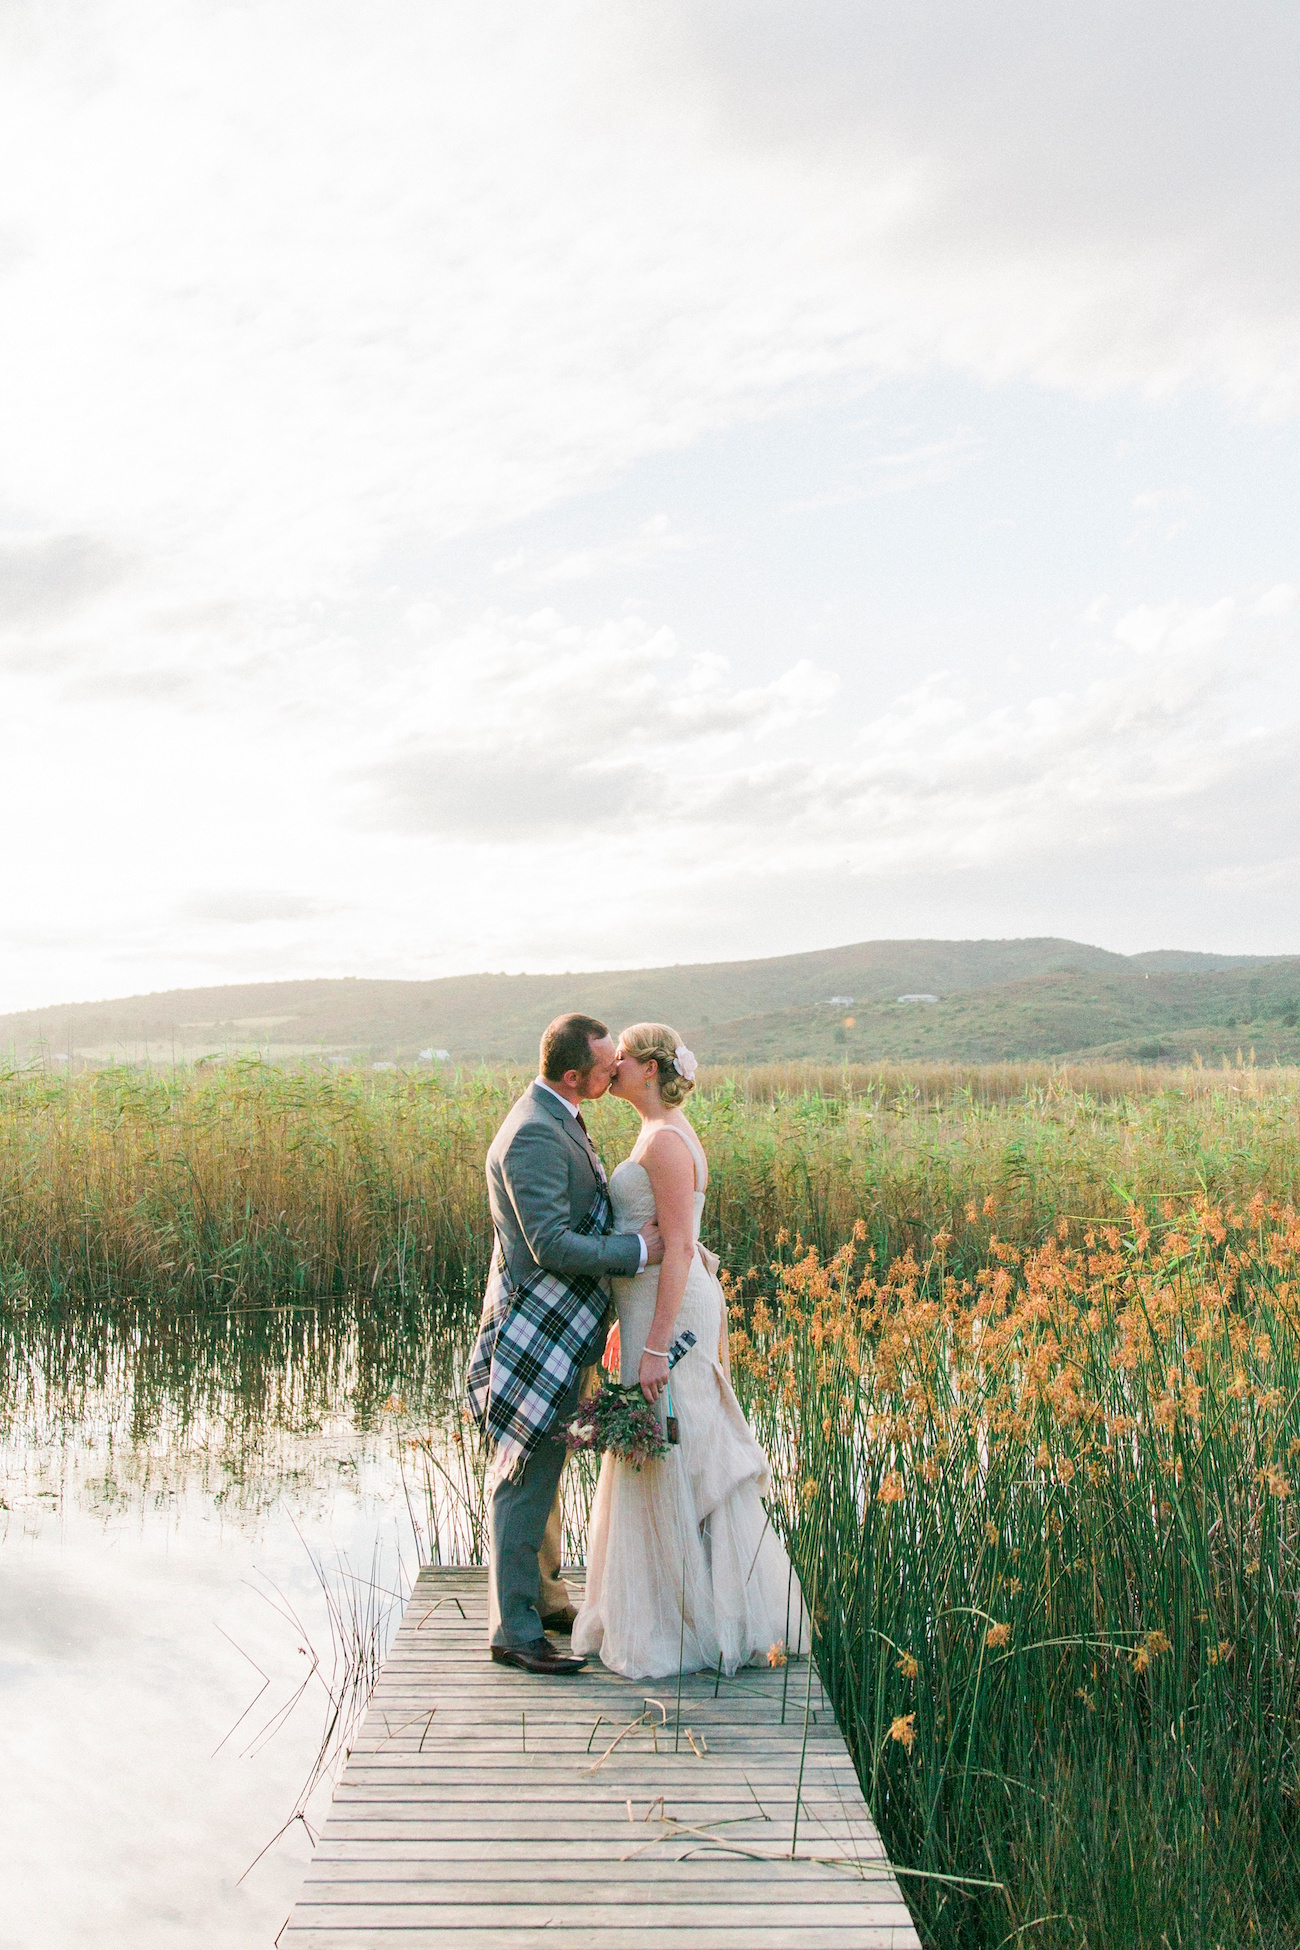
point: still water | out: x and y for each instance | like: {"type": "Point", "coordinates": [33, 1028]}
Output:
{"type": "Point", "coordinates": [196, 1512]}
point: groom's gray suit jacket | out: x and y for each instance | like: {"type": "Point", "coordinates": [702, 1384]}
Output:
{"type": "Point", "coordinates": [543, 1176]}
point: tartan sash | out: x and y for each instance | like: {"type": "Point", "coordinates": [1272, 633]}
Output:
{"type": "Point", "coordinates": [532, 1340]}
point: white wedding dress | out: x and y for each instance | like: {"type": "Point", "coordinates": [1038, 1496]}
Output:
{"type": "Point", "coordinates": [682, 1561]}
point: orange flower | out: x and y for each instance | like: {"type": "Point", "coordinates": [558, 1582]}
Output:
{"type": "Point", "coordinates": [903, 1730]}
{"type": "Point", "coordinates": [1151, 1648]}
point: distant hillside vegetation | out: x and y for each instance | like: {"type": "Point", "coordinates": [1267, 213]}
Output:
{"type": "Point", "coordinates": [990, 1001]}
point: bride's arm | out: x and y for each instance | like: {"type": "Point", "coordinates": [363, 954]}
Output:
{"type": "Point", "coordinates": [670, 1168]}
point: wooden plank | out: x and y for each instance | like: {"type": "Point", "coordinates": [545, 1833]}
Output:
{"type": "Point", "coordinates": [483, 1863]}
{"type": "Point", "coordinates": [486, 1809]}
{"type": "Point", "coordinates": [375, 1933]}
{"type": "Point", "coordinates": [435, 1937]}
{"type": "Point", "coordinates": [702, 1873]}
{"type": "Point", "coordinates": [400, 1881]}
{"type": "Point", "coordinates": [551, 1907]}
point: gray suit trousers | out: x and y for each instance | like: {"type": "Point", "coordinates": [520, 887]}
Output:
{"type": "Point", "coordinates": [518, 1515]}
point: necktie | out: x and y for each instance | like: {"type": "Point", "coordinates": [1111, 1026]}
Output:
{"type": "Point", "coordinates": [581, 1126]}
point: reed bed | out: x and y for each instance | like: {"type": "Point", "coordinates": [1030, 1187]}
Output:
{"type": "Point", "coordinates": [1045, 1516]}
{"type": "Point", "coordinates": [1024, 1347]}
{"type": "Point", "coordinates": [939, 1085]}
{"type": "Point", "coordinates": [252, 1185]}
{"type": "Point", "coordinates": [243, 1185]}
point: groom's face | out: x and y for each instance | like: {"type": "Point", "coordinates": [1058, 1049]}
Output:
{"type": "Point", "coordinates": [604, 1061]}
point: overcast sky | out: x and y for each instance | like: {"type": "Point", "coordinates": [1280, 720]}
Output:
{"type": "Point", "coordinates": [557, 486]}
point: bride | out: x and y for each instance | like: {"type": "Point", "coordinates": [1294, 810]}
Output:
{"type": "Point", "coordinates": [682, 1561]}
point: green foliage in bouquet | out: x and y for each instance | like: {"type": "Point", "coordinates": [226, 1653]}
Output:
{"type": "Point", "coordinates": [621, 1420]}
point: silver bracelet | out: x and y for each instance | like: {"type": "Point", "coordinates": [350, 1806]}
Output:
{"type": "Point", "coordinates": [662, 1352]}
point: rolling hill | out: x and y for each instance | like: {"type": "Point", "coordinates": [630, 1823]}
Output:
{"type": "Point", "coordinates": [988, 1001]}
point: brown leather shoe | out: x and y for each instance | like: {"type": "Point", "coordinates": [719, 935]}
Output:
{"type": "Point", "coordinates": [540, 1656]}
{"type": "Point", "coordinates": [560, 1621]}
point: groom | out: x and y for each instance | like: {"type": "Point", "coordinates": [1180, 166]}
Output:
{"type": "Point", "coordinates": [543, 1321]}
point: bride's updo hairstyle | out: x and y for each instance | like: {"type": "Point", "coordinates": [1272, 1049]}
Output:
{"type": "Point", "coordinates": [655, 1042]}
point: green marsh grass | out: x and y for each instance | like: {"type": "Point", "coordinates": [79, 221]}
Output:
{"type": "Point", "coordinates": [1034, 1431]}
{"type": "Point", "coordinates": [248, 1184]}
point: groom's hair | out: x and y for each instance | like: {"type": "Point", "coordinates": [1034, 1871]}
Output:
{"type": "Point", "coordinates": [566, 1045]}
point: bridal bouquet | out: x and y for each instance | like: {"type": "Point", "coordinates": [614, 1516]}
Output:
{"type": "Point", "coordinates": [621, 1420]}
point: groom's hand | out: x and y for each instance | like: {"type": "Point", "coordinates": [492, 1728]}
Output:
{"type": "Point", "coordinates": [654, 1241]}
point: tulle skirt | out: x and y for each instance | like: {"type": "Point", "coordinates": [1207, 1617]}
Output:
{"type": "Point", "coordinates": [683, 1565]}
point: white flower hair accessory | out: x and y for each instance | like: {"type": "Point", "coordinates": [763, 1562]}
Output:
{"type": "Point", "coordinates": [684, 1063]}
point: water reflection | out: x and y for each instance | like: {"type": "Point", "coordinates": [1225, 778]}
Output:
{"type": "Point", "coordinates": [166, 1482]}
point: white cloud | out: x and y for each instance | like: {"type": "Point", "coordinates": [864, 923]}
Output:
{"type": "Point", "coordinates": [394, 275]}
{"type": "Point", "coordinates": [248, 907]}
{"type": "Point", "coordinates": [1162, 513]}
{"type": "Point", "coordinates": [651, 543]}
{"type": "Point", "coordinates": [305, 309]}
{"type": "Point", "coordinates": [292, 281]}
{"type": "Point", "coordinates": [1280, 600]}
{"type": "Point", "coordinates": [521, 799]}
{"type": "Point", "coordinates": [532, 727]}
{"type": "Point", "coordinates": [1155, 741]}
{"type": "Point", "coordinates": [1102, 198]}
{"type": "Point", "coordinates": [668, 755]}
{"type": "Point", "coordinates": [1175, 630]}
{"type": "Point", "coordinates": [901, 471]}
{"type": "Point", "coordinates": [45, 577]}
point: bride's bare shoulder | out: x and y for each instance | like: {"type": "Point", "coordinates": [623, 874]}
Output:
{"type": "Point", "coordinates": [686, 1155]}
{"type": "Point", "coordinates": [656, 1143]}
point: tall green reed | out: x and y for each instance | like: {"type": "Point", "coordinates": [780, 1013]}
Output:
{"type": "Point", "coordinates": [249, 1184]}
{"type": "Point", "coordinates": [242, 1185]}
{"type": "Point", "coordinates": [1048, 1513]}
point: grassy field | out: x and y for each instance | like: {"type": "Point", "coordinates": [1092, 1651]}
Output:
{"type": "Point", "coordinates": [250, 1183]}
{"type": "Point", "coordinates": [1022, 1343]}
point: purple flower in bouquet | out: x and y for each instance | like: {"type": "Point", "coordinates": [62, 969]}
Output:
{"type": "Point", "coordinates": [618, 1419]}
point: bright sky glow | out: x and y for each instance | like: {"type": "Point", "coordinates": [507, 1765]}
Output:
{"type": "Point", "coordinates": [516, 487]}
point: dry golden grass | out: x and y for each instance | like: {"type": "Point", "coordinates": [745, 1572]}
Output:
{"type": "Point", "coordinates": [942, 1085]}
{"type": "Point", "coordinates": [250, 1182]}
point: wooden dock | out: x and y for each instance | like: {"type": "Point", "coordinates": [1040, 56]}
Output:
{"type": "Point", "coordinates": [484, 1809]}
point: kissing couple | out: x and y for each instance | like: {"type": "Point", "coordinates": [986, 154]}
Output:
{"type": "Point", "coordinates": [683, 1566]}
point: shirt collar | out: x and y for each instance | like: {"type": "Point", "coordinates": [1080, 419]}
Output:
{"type": "Point", "coordinates": [571, 1108]}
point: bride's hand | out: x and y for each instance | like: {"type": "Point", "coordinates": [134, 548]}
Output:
{"type": "Point", "coordinates": [652, 1375]}
{"type": "Point", "coordinates": [613, 1351]}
